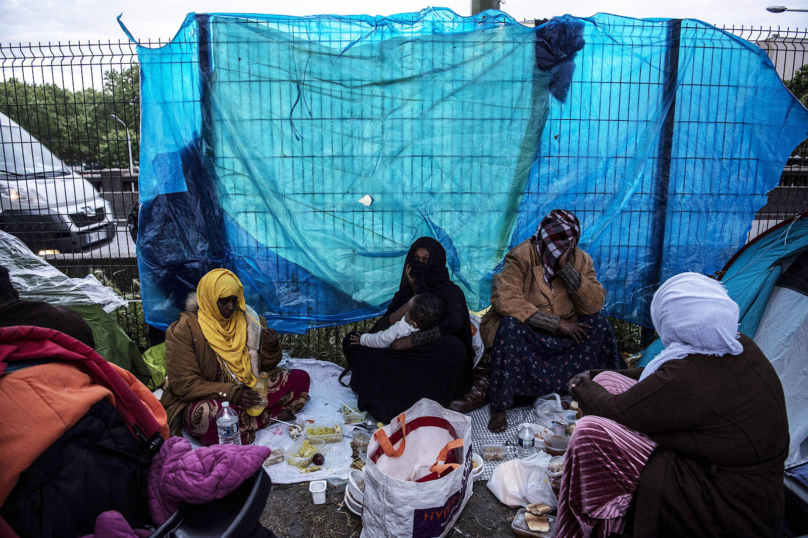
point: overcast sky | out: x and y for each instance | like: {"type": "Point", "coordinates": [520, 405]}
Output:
{"type": "Point", "coordinates": [53, 20]}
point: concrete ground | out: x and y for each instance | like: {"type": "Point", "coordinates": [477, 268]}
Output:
{"type": "Point", "coordinates": [290, 513]}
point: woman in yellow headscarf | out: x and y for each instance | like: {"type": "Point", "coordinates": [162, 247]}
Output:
{"type": "Point", "coordinates": [214, 354]}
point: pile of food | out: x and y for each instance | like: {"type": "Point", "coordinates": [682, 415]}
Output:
{"type": "Point", "coordinates": [275, 457]}
{"type": "Point", "coordinates": [296, 430]}
{"type": "Point", "coordinates": [306, 450]}
{"type": "Point", "coordinates": [352, 416]}
{"type": "Point", "coordinates": [536, 517]}
{"type": "Point", "coordinates": [311, 469]}
{"type": "Point", "coordinates": [323, 431]}
{"type": "Point", "coordinates": [359, 444]}
{"type": "Point", "coordinates": [556, 466]}
{"type": "Point", "coordinates": [494, 452]}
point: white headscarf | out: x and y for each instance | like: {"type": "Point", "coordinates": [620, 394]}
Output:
{"type": "Point", "coordinates": [693, 315]}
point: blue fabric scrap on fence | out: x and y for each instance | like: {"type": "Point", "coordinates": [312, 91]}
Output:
{"type": "Point", "coordinates": [307, 153]}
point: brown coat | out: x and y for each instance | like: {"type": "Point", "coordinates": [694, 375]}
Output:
{"type": "Point", "coordinates": [722, 431]}
{"type": "Point", "coordinates": [191, 366]}
{"type": "Point", "coordinates": [519, 290]}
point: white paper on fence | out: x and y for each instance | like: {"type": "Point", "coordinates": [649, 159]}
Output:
{"type": "Point", "coordinates": [522, 482]}
{"type": "Point", "coordinates": [477, 339]}
{"type": "Point", "coordinates": [422, 447]}
{"type": "Point", "coordinates": [394, 507]}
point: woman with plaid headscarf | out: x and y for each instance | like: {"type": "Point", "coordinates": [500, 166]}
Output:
{"type": "Point", "coordinates": [545, 325]}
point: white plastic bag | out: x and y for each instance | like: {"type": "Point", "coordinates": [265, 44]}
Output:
{"type": "Point", "coordinates": [523, 482]}
{"type": "Point", "coordinates": [426, 443]}
{"type": "Point", "coordinates": [476, 339]}
{"type": "Point", "coordinates": [549, 409]}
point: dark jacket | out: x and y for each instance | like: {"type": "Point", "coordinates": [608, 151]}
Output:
{"type": "Point", "coordinates": [722, 431]}
{"type": "Point", "coordinates": [95, 466]}
{"type": "Point", "coordinates": [39, 314]}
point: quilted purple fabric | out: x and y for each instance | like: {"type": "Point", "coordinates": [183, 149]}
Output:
{"type": "Point", "coordinates": [181, 474]}
{"type": "Point", "coordinates": [113, 525]}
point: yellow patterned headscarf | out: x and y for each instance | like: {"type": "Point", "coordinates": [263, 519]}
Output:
{"type": "Point", "coordinates": [227, 337]}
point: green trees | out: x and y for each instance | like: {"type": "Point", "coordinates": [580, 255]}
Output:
{"type": "Point", "coordinates": [78, 127]}
{"type": "Point", "coordinates": [798, 85]}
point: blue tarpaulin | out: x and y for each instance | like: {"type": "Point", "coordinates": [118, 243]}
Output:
{"type": "Point", "coordinates": [307, 153]}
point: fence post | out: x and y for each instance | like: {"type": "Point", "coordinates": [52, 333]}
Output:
{"type": "Point", "coordinates": [481, 5]}
{"type": "Point", "coordinates": [663, 176]}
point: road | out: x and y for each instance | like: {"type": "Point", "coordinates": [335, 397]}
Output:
{"type": "Point", "coordinates": [120, 246]}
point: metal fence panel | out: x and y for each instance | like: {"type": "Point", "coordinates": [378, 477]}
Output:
{"type": "Point", "coordinates": [81, 102]}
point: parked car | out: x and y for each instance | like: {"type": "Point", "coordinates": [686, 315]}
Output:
{"type": "Point", "coordinates": [43, 202]}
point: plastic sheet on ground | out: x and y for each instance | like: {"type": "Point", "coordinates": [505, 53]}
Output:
{"type": "Point", "coordinates": [37, 280]}
{"type": "Point", "coordinates": [325, 392]}
{"type": "Point", "coordinates": [307, 153]}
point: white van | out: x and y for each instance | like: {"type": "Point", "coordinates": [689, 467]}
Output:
{"type": "Point", "coordinates": [44, 203]}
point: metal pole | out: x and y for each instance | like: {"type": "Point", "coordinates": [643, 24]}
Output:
{"type": "Point", "coordinates": [128, 143]}
{"type": "Point", "coordinates": [670, 80]}
{"type": "Point", "coordinates": [481, 5]}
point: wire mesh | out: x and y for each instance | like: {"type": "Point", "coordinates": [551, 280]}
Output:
{"type": "Point", "coordinates": [80, 103]}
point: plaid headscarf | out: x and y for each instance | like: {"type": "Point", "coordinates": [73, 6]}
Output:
{"type": "Point", "coordinates": [553, 238]}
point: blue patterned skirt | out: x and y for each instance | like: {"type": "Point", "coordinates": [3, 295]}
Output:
{"type": "Point", "coordinates": [528, 363]}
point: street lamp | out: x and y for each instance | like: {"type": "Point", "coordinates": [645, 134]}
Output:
{"type": "Point", "coordinates": [128, 143]}
{"type": "Point", "coordinates": [780, 9]}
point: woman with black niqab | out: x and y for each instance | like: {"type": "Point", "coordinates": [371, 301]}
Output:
{"type": "Point", "coordinates": [435, 363]}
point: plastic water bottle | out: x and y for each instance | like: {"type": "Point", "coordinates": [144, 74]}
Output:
{"type": "Point", "coordinates": [526, 438]}
{"type": "Point", "coordinates": [227, 424]}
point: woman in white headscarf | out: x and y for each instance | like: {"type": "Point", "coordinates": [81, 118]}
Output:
{"type": "Point", "coordinates": [694, 443]}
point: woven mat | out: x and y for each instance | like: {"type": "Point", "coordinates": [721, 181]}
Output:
{"type": "Point", "coordinates": [481, 435]}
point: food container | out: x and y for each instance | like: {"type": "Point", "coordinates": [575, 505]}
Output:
{"type": "Point", "coordinates": [338, 483]}
{"type": "Point", "coordinates": [275, 457]}
{"type": "Point", "coordinates": [354, 507]}
{"type": "Point", "coordinates": [519, 526]}
{"type": "Point", "coordinates": [335, 437]}
{"type": "Point", "coordinates": [559, 428]}
{"type": "Point", "coordinates": [303, 461]}
{"type": "Point", "coordinates": [356, 487]}
{"type": "Point", "coordinates": [477, 472]}
{"type": "Point", "coordinates": [353, 415]}
{"type": "Point", "coordinates": [359, 463]}
{"type": "Point", "coordinates": [572, 419]}
{"type": "Point", "coordinates": [556, 445]}
{"type": "Point", "coordinates": [360, 441]}
{"type": "Point", "coordinates": [556, 467]}
{"type": "Point", "coordinates": [296, 429]}
{"type": "Point", "coordinates": [494, 452]}
{"type": "Point", "coordinates": [317, 489]}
